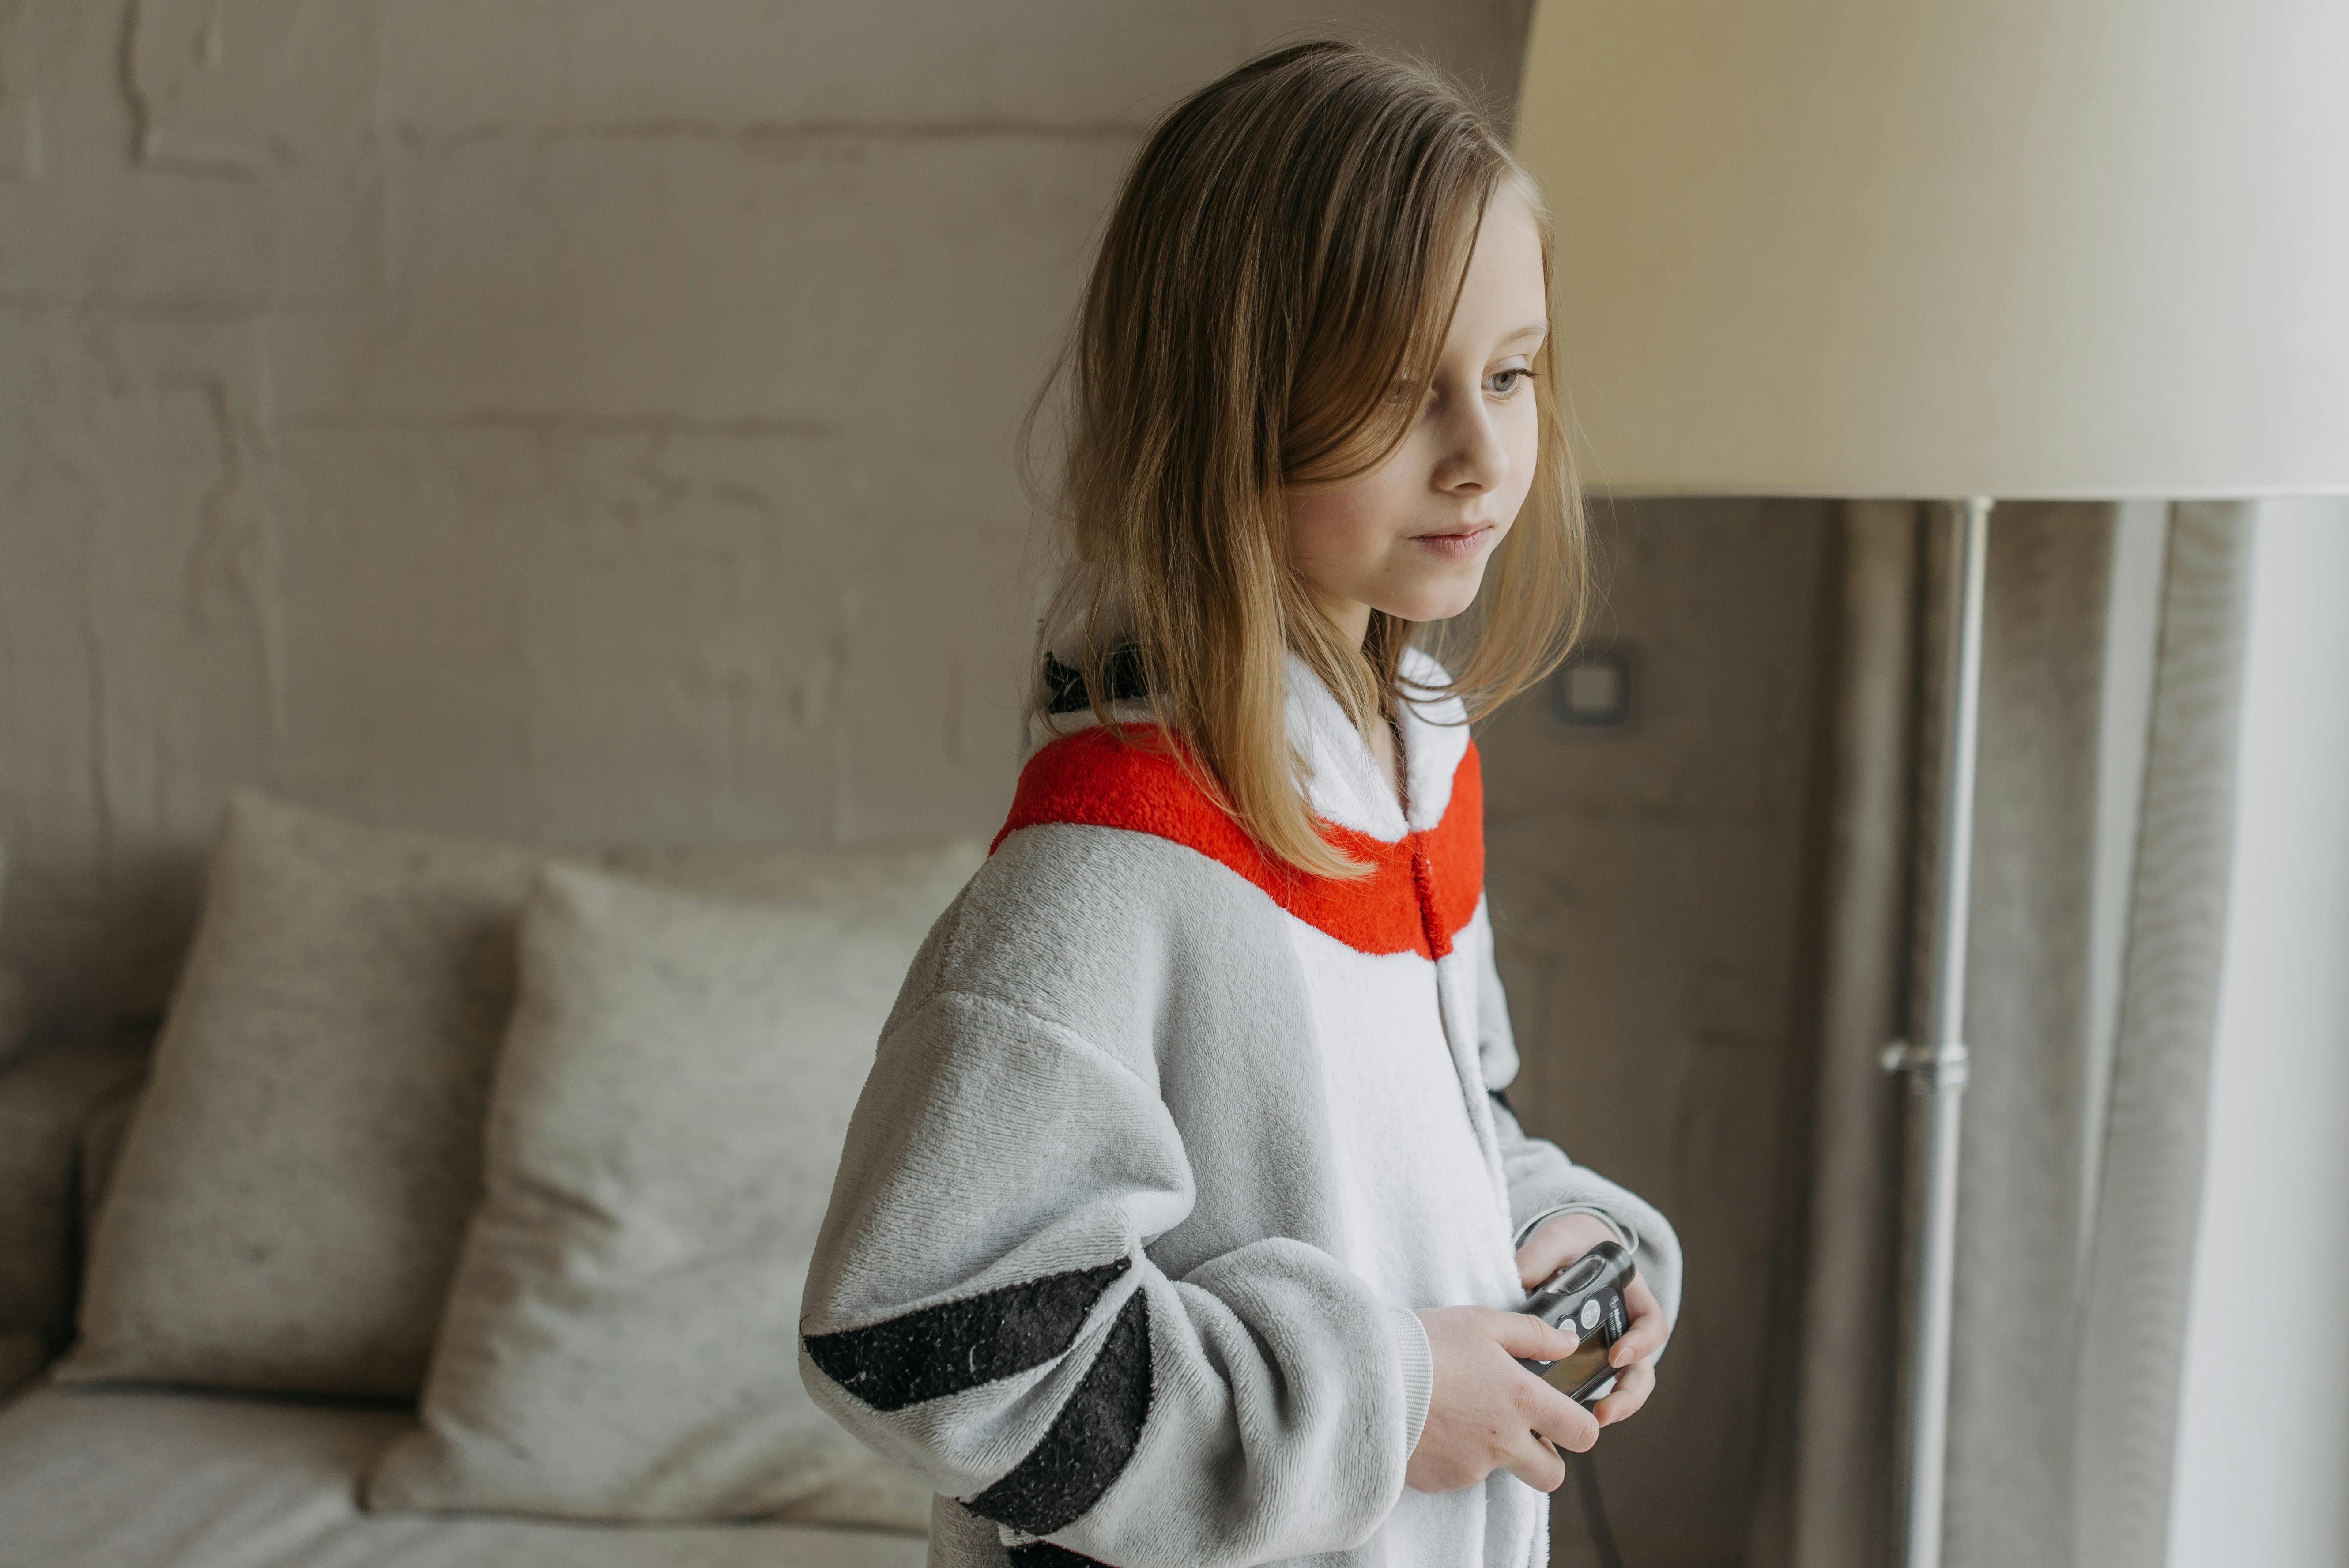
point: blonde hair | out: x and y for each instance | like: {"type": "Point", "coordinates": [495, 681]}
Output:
{"type": "Point", "coordinates": [1292, 239]}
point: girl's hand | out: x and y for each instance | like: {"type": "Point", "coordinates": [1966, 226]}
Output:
{"type": "Point", "coordinates": [1558, 1243]}
{"type": "Point", "coordinates": [1487, 1413]}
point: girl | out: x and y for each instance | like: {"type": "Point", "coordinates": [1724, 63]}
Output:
{"type": "Point", "coordinates": [1182, 1218]}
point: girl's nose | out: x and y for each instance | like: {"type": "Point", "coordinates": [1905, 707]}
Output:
{"type": "Point", "coordinates": [1473, 460]}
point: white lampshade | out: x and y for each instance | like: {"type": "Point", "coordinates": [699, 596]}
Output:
{"type": "Point", "coordinates": [2013, 248]}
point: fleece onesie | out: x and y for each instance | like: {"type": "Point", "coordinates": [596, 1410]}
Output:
{"type": "Point", "coordinates": [1163, 1145]}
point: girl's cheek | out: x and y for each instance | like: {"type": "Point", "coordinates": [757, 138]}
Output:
{"type": "Point", "coordinates": [1360, 526]}
{"type": "Point", "coordinates": [1333, 538]}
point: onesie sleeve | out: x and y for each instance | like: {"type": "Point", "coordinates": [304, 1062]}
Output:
{"type": "Point", "coordinates": [1542, 1180]}
{"type": "Point", "coordinates": [982, 1307]}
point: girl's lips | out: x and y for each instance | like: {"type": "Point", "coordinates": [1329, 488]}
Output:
{"type": "Point", "coordinates": [1466, 542]}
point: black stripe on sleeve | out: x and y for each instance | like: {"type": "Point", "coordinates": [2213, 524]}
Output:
{"type": "Point", "coordinates": [1045, 1555]}
{"type": "Point", "coordinates": [960, 1345]}
{"type": "Point", "coordinates": [1090, 1440]}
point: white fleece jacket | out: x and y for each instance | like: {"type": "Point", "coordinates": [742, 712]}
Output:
{"type": "Point", "coordinates": [1162, 1146]}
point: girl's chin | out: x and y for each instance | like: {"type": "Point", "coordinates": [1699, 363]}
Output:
{"type": "Point", "coordinates": [1440, 595]}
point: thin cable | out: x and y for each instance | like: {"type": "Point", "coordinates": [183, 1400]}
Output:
{"type": "Point", "coordinates": [1594, 1510]}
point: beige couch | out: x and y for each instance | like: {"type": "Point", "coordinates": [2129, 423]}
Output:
{"type": "Point", "coordinates": [141, 1478]}
{"type": "Point", "coordinates": [457, 1217]}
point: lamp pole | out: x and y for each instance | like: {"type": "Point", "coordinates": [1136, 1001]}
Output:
{"type": "Point", "coordinates": [1937, 1068]}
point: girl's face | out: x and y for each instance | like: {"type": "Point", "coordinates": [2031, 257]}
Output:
{"type": "Point", "coordinates": [1412, 536]}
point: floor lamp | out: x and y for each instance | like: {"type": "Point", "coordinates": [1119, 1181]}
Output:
{"type": "Point", "coordinates": [2045, 249]}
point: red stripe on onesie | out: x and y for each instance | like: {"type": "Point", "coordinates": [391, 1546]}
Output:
{"type": "Point", "coordinates": [1419, 891]}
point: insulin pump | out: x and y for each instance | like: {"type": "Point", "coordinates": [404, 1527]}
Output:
{"type": "Point", "coordinates": [1586, 1299]}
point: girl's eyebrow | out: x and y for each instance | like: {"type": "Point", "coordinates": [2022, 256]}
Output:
{"type": "Point", "coordinates": [1531, 329]}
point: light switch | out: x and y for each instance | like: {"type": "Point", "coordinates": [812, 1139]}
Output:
{"type": "Point", "coordinates": [1593, 690]}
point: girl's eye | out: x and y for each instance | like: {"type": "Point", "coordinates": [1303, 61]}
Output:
{"type": "Point", "coordinates": [1506, 382]}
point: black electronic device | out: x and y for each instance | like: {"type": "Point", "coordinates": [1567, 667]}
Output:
{"type": "Point", "coordinates": [1586, 1299]}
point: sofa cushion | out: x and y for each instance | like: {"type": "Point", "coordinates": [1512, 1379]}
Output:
{"type": "Point", "coordinates": [294, 1186]}
{"type": "Point", "coordinates": [666, 1121]}
{"type": "Point", "coordinates": [107, 1478]}
{"type": "Point", "coordinates": [46, 1097]}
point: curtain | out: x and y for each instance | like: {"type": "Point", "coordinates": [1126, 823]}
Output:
{"type": "Point", "coordinates": [2133, 1317]}
{"type": "Point", "coordinates": [2112, 667]}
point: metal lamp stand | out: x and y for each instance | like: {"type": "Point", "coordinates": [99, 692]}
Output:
{"type": "Point", "coordinates": [1937, 1068]}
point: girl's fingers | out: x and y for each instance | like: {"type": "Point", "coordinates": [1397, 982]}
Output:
{"type": "Point", "coordinates": [1537, 1465]}
{"type": "Point", "coordinates": [1528, 1338]}
{"type": "Point", "coordinates": [1645, 1337]}
{"type": "Point", "coordinates": [1633, 1387]}
{"type": "Point", "coordinates": [1558, 1419]}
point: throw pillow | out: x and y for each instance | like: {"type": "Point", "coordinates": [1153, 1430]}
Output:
{"type": "Point", "coordinates": [12, 989]}
{"type": "Point", "coordinates": [98, 1149]}
{"type": "Point", "coordinates": [293, 1187]}
{"type": "Point", "coordinates": [22, 1356]}
{"type": "Point", "coordinates": [621, 1339]}
{"type": "Point", "coordinates": [13, 1012]}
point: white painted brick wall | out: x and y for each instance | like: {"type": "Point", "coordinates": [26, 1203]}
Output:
{"type": "Point", "coordinates": [578, 419]}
